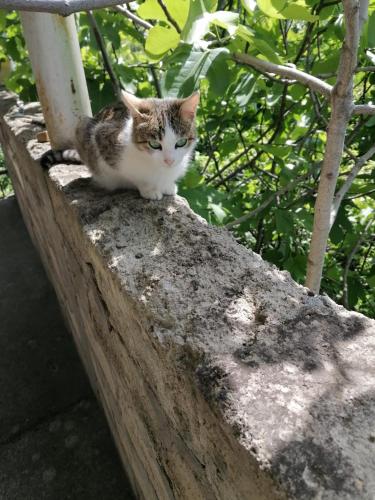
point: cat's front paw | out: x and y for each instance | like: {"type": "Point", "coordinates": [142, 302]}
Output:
{"type": "Point", "coordinates": [170, 190]}
{"type": "Point", "coordinates": [151, 194]}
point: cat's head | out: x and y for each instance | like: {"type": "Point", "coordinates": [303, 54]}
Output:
{"type": "Point", "coordinates": [163, 129]}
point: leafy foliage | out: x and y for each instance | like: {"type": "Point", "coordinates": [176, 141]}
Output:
{"type": "Point", "coordinates": [5, 184]}
{"type": "Point", "coordinates": [262, 139]}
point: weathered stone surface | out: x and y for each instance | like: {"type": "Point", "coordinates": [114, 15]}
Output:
{"type": "Point", "coordinates": [221, 377]}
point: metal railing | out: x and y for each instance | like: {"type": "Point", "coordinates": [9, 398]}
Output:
{"type": "Point", "coordinates": [62, 7]}
{"type": "Point", "coordinates": [52, 41]}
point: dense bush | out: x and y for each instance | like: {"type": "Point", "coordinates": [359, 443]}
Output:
{"type": "Point", "coordinates": [261, 138]}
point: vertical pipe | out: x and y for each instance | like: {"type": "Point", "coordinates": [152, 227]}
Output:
{"type": "Point", "coordinates": [53, 46]}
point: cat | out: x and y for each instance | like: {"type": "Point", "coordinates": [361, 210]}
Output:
{"type": "Point", "coordinates": [143, 144]}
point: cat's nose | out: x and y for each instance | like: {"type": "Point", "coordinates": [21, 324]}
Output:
{"type": "Point", "coordinates": [168, 161]}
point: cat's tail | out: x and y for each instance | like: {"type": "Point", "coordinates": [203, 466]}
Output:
{"type": "Point", "coordinates": [52, 157]}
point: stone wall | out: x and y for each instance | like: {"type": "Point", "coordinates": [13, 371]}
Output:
{"type": "Point", "coordinates": [221, 378]}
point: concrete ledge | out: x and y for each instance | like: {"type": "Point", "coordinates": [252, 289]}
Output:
{"type": "Point", "coordinates": [221, 378]}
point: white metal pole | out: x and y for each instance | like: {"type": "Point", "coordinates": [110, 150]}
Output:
{"type": "Point", "coordinates": [53, 46]}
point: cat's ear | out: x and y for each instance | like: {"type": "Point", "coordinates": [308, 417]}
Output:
{"type": "Point", "coordinates": [131, 102]}
{"type": "Point", "coordinates": [189, 106]}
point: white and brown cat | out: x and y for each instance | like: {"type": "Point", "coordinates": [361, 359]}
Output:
{"type": "Point", "coordinates": [143, 144]}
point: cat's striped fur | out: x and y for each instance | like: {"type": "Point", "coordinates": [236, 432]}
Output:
{"type": "Point", "coordinates": [138, 143]}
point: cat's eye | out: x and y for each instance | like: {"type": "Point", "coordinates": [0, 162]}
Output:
{"type": "Point", "coordinates": [180, 143]}
{"type": "Point", "coordinates": [154, 144]}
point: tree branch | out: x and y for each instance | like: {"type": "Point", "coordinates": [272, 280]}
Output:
{"type": "Point", "coordinates": [363, 13]}
{"type": "Point", "coordinates": [364, 109]}
{"type": "Point", "coordinates": [265, 203]}
{"type": "Point", "coordinates": [230, 163]}
{"type": "Point", "coordinates": [365, 69]}
{"type": "Point", "coordinates": [287, 72]}
{"type": "Point", "coordinates": [169, 17]}
{"type": "Point", "coordinates": [342, 107]}
{"type": "Point", "coordinates": [348, 182]}
{"type": "Point", "coordinates": [349, 260]}
{"type": "Point", "coordinates": [295, 75]}
{"type": "Point", "coordinates": [155, 78]}
{"type": "Point", "coordinates": [127, 13]}
{"type": "Point", "coordinates": [106, 61]}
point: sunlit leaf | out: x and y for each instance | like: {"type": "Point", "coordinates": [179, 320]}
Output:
{"type": "Point", "coordinates": [281, 9]}
{"type": "Point", "coordinates": [160, 39]}
{"type": "Point", "coordinates": [151, 9]}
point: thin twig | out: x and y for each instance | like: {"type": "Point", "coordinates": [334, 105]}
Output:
{"type": "Point", "coordinates": [156, 81]}
{"type": "Point", "coordinates": [360, 162]}
{"type": "Point", "coordinates": [106, 61]}
{"type": "Point", "coordinates": [169, 17]}
{"type": "Point", "coordinates": [265, 203]}
{"type": "Point", "coordinates": [361, 195]}
{"type": "Point", "coordinates": [229, 164]}
{"type": "Point", "coordinates": [365, 69]}
{"type": "Point", "coordinates": [245, 166]}
{"type": "Point", "coordinates": [350, 258]}
{"type": "Point", "coordinates": [211, 145]}
{"type": "Point", "coordinates": [127, 13]}
{"type": "Point", "coordinates": [368, 251]}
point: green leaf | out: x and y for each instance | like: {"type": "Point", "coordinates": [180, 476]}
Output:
{"type": "Point", "coordinates": [327, 65]}
{"type": "Point", "coordinates": [193, 29]}
{"type": "Point", "coordinates": [225, 20]}
{"type": "Point", "coordinates": [297, 91]}
{"type": "Point", "coordinates": [298, 12]}
{"type": "Point", "coordinates": [249, 5]}
{"type": "Point", "coordinates": [219, 212]}
{"type": "Point", "coordinates": [280, 151]}
{"type": "Point", "coordinates": [218, 75]}
{"type": "Point", "coordinates": [272, 8]}
{"type": "Point", "coordinates": [193, 66]}
{"type": "Point", "coordinates": [255, 39]}
{"type": "Point", "coordinates": [266, 50]}
{"type": "Point", "coordinates": [281, 9]}
{"type": "Point", "coordinates": [296, 265]}
{"type": "Point", "coordinates": [371, 31]}
{"type": "Point", "coordinates": [306, 218]}
{"type": "Point", "coordinates": [200, 198]}
{"type": "Point", "coordinates": [160, 39]}
{"type": "Point", "coordinates": [2, 19]}
{"type": "Point", "coordinates": [151, 9]}
{"type": "Point", "coordinates": [202, 25]}
{"type": "Point", "coordinates": [326, 12]}
{"type": "Point", "coordinates": [192, 178]}
{"type": "Point", "coordinates": [371, 281]}
{"type": "Point", "coordinates": [284, 221]}
{"type": "Point", "coordinates": [245, 33]}
{"type": "Point", "coordinates": [355, 290]}
{"type": "Point", "coordinates": [245, 89]}
{"type": "Point", "coordinates": [370, 122]}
